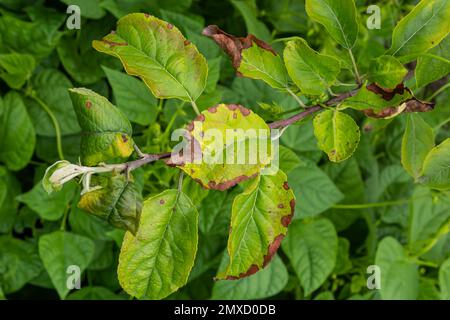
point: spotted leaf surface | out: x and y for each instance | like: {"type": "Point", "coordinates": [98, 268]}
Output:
{"type": "Point", "coordinates": [229, 144]}
{"type": "Point", "coordinates": [158, 53]}
{"type": "Point", "coordinates": [106, 132]}
{"type": "Point", "coordinates": [259, 220]}
{"type": "Point", "coordinates": [158, 260]}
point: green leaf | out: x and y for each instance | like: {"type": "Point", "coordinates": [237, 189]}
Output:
{"type": "Point", "coordinates": [430, 68]}
{"type": "Point", "coordinates": [337, 134]}
{"type": "Point", "coordinates": [49, 206]}
{"type": "Point", "coordinates": [418, 140]}
{"type": "Point", "coordinates": [436, 167]}
{"type": "Point", "coordinates": [311, 71]}
{"type": "Point", "coordinates": [106, 131]}
{"type": "Point", "coordinates": [59, 250]}
{"type": "Point", "coordinates": [132, 97]}
{"type": "Point", "coordinates": [312, 249]}
{"type": "Point", "coordinates": [444, 280]}
{"type": "Point", "coordinates": [88, 8]}
{"type": "Point", "coordinates": [16, 132]}
{"type": "Point", "coordinates": [9, 189]}
{"type": "Point", "coordinates": [16, 69]}
{"type": "Point", "coordinates": [19, 263]}
{"type": "Point", "coordinates": [287, 16]}
{"type": "Point", "coordinates": [422, 29]}
{"type": "Point", "coordinates": [427, 215]}
{"type": "Point", "coordinates": [158, 260]}
{"type": "Point", "coordinates": [157, 52]}
{"type": "Point", "coordinates": [264, 284]}
{"type": "Point", "coordinates": [94, 293]}
{"type": "Point", "coordinates": [259, 220]}
{"type": "Point", "coordinates": [387, 71]}
{"type": "Point", "coordinates": [399, 277]}
{"type": "Point", "coordinates": [118, 201]}
{"type": "Point", "coordinates": [217, 147]}
{"type": "Point", "coordinates": [315, 189]}
{"type": "Point", "coordinates": [34, 38]}
{"type": "Point", "coordinates": [343, 262]}
{"type": "Point", "coordinates": [51, 86]}
{"type": "Point", "coordinates": [86, 224]}
{"type": "Point", "coordinates": [260, 63]}
{"type": "Point", "coordinates": [338, 17]}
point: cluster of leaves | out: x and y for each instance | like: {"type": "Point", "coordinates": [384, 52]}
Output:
{"type": "Point", "coordinates": [309, 68]}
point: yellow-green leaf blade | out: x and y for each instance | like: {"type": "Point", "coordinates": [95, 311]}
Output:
{"type": "Point", "coordinates": [106, 132]}
{"type": "Point", "coordinates": [158, 53]}
{"type": "Point", "coordinates": [259, 220]}
{"type": "Point", "coordinates": [158, 260]}
{"type": "Point", "coordinates": [337, 134]}
{"type": "Point", "coordinates": [436, 167]}
{"type": "Point", "coordinates": [311, 71]}
{"type": "Point", "coordinates": [422, 29]}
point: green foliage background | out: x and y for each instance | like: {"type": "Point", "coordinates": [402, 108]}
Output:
{"type": "Point", "coordinates": [338, 231]}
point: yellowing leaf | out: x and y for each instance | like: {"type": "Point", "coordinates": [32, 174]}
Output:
{"type": "Point", "coordinates": [106, 132]}
{"type": "Point", "coordinates": [337, 134]}
{"type": "Point", "coordinates": [259, 220]}
{"type": "Point", "coordinates": [157, 52]}
{"type": "Point", "coordinates": [230, 144]}
{"type": "Point", "coordinates": [158, 260]}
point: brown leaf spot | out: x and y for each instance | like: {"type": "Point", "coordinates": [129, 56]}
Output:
{"type": "Point", "coordinates": [286, 185]}
{"type": "Point", "coordinates": [244, 111]}
{"type": "Point", "coordinates": [212, 109]}
{"type": "Point", "coordinates": [253, 269]}
{"type": "Point", "coordinates": [186, 42]}
{"type": "Point", "coordinates": [232, 45]}
{"type": "Point", "coordinates": [387, 94]}
{"type": "Point", "coordinates": [281, 206]}
{"type": "Point", "coordinates": [113, 44]}
{"type": "Point", "coordinates": [169, 26]}
{"type": "Point", "coordinates": [124, 138]}
{"type": "Point", "coordinates": [273, 247]}
{"type": "Point", "coordinates": [222, 186]}
{"type": "Point", "coordinates": [161, 201]}
{"type": "Point", "coordinates": [88, 104]}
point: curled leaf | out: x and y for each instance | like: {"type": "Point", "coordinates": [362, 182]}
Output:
{"type": "Point", "coordinates": [251, 57]}
{"type": "Point", "coordinates": [106, 132]}
{"type": "Point", "coordinates": [118, 201]}
{"type": "Point", "coordinates": [232, 45]}
{"type": "Point", "coordinates": [58, 174]}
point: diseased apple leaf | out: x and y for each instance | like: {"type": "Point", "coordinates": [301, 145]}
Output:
{"type": "Point", "coordinates": [338, 17]}
{"type": "Point", "coordinates": [228, 144]}
{"type": "Point", "coordinates": [436, 167]}
{"type": "Point", "coordinates": [378, 102]}
{"type": "Point", "coordinates": [158, 53]}
{"type": "Point", "coordinates": [387, 71]}
{"type": "Point", "coordinates": [260, 217]}
{"type": "Point", "coordinates": [158, 260]}
{"type": "Point", "coordinates": [421, 29]}
{"type": "Point", "coordinates": [311, 71]}
{"type": "Point", "coordinates": [118, 201]}
{"type": "Point", "coordinates": [251, 57]}
{"type": "Point", "coordinates": [337, 134]}
{"type": "Point", "coordinates": [106, 132]}
{"type": "Point", "coordinates": [417, 142]}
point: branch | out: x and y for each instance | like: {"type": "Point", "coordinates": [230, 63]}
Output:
{"type": "Point", "coordinates": [311, 110]}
